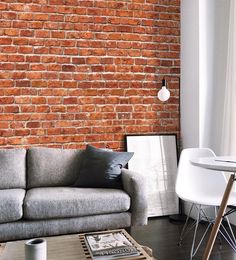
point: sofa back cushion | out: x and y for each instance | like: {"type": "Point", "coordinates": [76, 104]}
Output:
{"type": "Point", "coordinates": [50, 167]}
{"type": "Point", "coordinates": [12, 168]}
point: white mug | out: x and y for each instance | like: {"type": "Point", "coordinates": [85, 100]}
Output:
{"type": "Point", "coordinates": [36, 249]}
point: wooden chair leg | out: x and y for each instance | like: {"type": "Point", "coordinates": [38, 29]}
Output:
{"type": "Point", "coordinates": [218, 221]}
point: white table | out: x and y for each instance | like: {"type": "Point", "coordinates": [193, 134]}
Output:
{"type": "Point", "coordinates": [225, 164]}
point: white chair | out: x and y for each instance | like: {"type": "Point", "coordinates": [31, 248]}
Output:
{"type": "Point", "coordinates": [201, 187]}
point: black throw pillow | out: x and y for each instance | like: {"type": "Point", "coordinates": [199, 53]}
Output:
{"type": "Point", "coordinates": [101, 168]}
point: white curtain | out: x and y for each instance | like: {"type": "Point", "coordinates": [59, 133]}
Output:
{"type": "Point", "coordinates": [228, 139]}
{"type": "Point", "coordinates": [213, 48]}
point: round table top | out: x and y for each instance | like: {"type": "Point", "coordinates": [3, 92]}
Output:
{"type": "Point", "coordinates": [219, 163]}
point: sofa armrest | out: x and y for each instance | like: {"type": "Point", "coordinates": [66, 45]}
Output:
{"type": "Point", "coordinates": [134, 184]}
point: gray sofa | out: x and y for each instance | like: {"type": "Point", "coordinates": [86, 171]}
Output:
{"type": "Point", "coordinates": [37, 197]}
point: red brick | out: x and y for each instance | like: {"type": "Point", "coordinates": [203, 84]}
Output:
{"type": "Point", "coordinates": [6, 117]}
{"type": "Point", "coordinates": [42, 109]}
{"type": "Point", "coordinates": [32, 59]}
{"type": "Point", "coordinates": [49, 9]}
{"type": "Point", "coordinates": [66, 76]}
{"type": "Point", "coordinates": [6, 100]}
{"type": "Point", "coordinates": [35, 25]}
{"type": "Point", "coordinates": [63, 59]}
{"type": "Point", "coordinates": [34, 75]}
{"type": "Point", "coordinates": [97, 68]}
{"type": "Point", "coordinates": [54, 67]}
{"type": "Point", "coordinates": [53, 42]}
{"type": "Point", "coordinates": [51, 117]}
{"type": "Point", "coordinates": [26, 33]}
{"type": "Point", "coordinates": [55, 50]}
{"type": "Point", "coordinates": [71, 51]}
{"type": "Point", "coordinates": [22, 117]}
{"type": "Point", "coordinates": [88, 108]}
{"type": "Point", "coordinates": [25, 16]}
{"type": "Point", "coordinates": [18, 75]}
{"type": "Point", "coordinates": [15, 141]}
{"type": "Point", "coordinates": [42, 34]}
{"type": "Point", "coordinates": [57, 17]}
{"type": "Point", "coordinates": [78, 60]}
{"type": "Point", "coordinates": [70, 100]}
{"type": "Point", "coordinates": [6, 133]}
{"type": "Point", "coordinates": [11, 32]}
{"type": "Point", "coordinates": [4, 125]}
{"type": "Point", "coordinates": [54, 131]}
{"type": "Point", "coordinates": [16, 7]}
{"type": "Point", "coordinates": [41, 50]}
{"type": "Point", "coordinates": [32, 124]}
{"type": "Point", "coordinates": [57, 34]}
{"type": "Point", "coordinates": [5, 24]}
{"type": "Point", "coordinates": [4, 75]}
{"type": "Point", "coordinates": [31, 140]}
{"type": "Point", "coordinates": [5, 83]}
{"type": "Point", "coordinates": [124, 108]}
{"type": "Point", "coordinates": [70, 84]}
{"type": "Point", "coordinates": [36, 41]}
{"type": "Point", "coordinates": [3, 6]}
{"type": "Point", "coordinates": [38, 100]}
{"type": "Point", "coordinates": [58, 108]}
{"type": "Point", "coordinates": [20, 41]}
{"type": "Point", "coordinates": [9, 49]}
{"type": "Point", "coordinates": [28, 92]}
{"type": "Point", "coordinates": [16, 58]}
{"type": "Point", "coordinates": [25, 49]}
{"type": "Point", "coordinates": [12, 92]}
{"type": "Point", "coordinates": [47, 59]}
{"type": "Point", "coordinates": [22, 132]}
{"type": "Point", "coordinates": [68, 68]}
{"type": "Point", "coordinates": [27, 108]}
{"type": "Point", "coordinates": [6, 66]}
{"type": "Point", "coordinates": [40, 17]}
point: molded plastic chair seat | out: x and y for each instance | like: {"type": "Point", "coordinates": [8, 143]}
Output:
{"type": "Point", "coordinates": [195, 183]}
{"type": "Point", "coordinates": [201, 187]}
{"type": "Point", "coordinates": [211, 199]}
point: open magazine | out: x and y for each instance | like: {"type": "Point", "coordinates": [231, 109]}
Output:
{"type": "Point", "coordinates": [110, 245]}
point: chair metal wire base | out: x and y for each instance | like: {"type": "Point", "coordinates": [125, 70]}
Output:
{"type": "Point", "coordinates": [228, 235]}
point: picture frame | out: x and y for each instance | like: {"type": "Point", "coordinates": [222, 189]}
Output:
{"type": "Point", "coordinates": [155, 156]}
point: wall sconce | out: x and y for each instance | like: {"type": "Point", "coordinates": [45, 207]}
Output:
{"type": "Point", "coordinates": [163, 93]}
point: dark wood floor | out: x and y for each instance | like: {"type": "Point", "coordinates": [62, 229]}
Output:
{"type": "Point", "coordinates": [162, 236]}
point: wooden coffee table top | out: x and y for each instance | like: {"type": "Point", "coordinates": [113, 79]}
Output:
{"type": "Point", "coordinates": [2, 246]}
{"type": "Point", "coordinates": [69, 247]}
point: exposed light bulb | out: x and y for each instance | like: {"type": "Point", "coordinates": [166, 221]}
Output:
{"type": "Point", "coordinates": [163, 93]}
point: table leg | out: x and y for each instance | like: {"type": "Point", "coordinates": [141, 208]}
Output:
{"type": "Point", "coordinates": [218, 221]}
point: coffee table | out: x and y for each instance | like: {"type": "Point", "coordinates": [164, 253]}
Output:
{"type": "Point", "coordinates": [68, 247]}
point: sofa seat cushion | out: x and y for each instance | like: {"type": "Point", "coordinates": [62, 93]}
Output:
{"type": "Point", "coordinates": [61, 202]}
{"type": "Point", "coordinates": [11, 205]}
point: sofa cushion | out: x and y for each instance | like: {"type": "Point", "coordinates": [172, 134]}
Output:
{"type": "Point", "coordinates": [11, 202]}
{"type": "Point", "coordinates": [13, 168]}
{"type": "Point", "coordinates": [52, 166]}
{"type": "Point", "coordinates": [61, 202]}
{"type": "Point", "coordinates": [101, 168]}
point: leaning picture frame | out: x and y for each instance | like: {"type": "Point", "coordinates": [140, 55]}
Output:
{"type": "Point", "coordinates": [155, 156]}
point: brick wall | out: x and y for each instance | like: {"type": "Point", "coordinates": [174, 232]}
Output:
{"type": "Point", "coordinates": [74, 72]}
